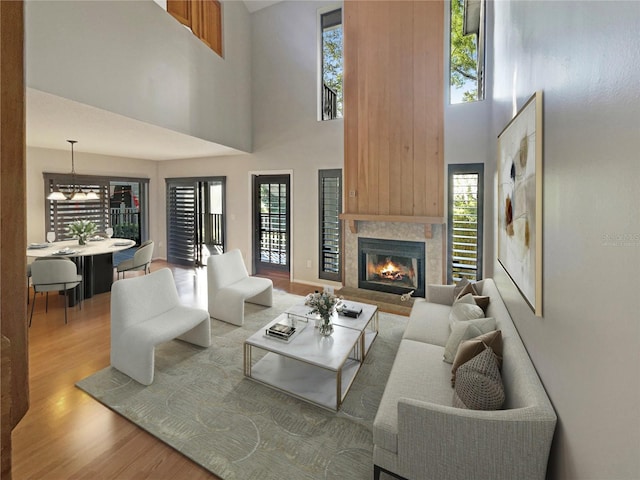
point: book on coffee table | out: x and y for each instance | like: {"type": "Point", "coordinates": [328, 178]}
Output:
{"type": "Point", "coordinates": [352, 311]}
{"type": "Point", "coordinates": [280, 330]}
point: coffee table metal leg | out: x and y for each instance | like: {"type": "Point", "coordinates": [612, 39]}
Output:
{"type": "Point", "coordinates": [338, 388]}
{"type": "Point", "coordinates": [247, 360]}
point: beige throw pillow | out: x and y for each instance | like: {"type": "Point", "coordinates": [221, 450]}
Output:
{"type": "Point", "coordinates": [479, 383]}
{"type": "Point", "coordinates": [461, 331]}
{"type": "Point", "coordinates": [465, 310]}
{"type": "Point", "coordinates": [470, 348]}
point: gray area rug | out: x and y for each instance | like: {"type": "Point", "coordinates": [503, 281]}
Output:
{"type": "Point", "coordinates": [202, 405]}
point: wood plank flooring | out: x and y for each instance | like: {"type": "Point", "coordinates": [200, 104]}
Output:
{"type": "Point", "coordinates": [68, 435]}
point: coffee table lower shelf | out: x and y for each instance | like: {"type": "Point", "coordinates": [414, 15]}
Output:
{"type": "Point", "coordinates": [320, 386]}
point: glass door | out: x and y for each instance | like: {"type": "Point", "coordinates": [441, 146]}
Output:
{"type": "Point", "coordinates": [195, 219]}
{"type": "Point", "coordinates": [271, 207]}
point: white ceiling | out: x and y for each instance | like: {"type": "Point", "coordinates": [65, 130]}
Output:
{"type": "Point", "coordinates": [52, 120]}
{"type": "Point", "coordinates": [255, 5]}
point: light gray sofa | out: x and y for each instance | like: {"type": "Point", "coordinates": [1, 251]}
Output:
{"type": "Point", "coordinates": [418, 434]}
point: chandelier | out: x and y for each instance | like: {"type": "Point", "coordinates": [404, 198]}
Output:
{"type": "Point", "coordinates": [76, 194]}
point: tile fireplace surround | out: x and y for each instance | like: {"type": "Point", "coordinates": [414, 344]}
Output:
{"type": "Point", "coordinates": [434, 264]}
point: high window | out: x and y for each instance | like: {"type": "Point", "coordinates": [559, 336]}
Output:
{"type": "Point", "coordinates": [464, 259]}
{"type": "Point", "coordinates": [467, 51]}
{"type": "Point", "coordinates": [330, 227]}
{"type": "Point", "coordinates": [331, 64]}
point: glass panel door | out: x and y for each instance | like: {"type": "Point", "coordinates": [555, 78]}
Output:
{"type": "Point", "coordinates": [195, 219]}
{"type": "Point", "coordinates": [271, 208]}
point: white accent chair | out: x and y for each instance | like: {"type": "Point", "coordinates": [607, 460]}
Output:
{"type": "Point", "coordinates": [141, 260]}
{"type": "Point", "coordinates": [145, 312]}
{"type": "Point", "coordinates": [229, 286]}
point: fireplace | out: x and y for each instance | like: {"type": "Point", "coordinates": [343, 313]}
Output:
{"type": "Point", "coordinates": [393, 266]}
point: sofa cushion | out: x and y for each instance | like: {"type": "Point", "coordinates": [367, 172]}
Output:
{"type": "Point", "coordinates": [429, 323]}
{"type": "Point", "coordinates": [470, 348]}
{"type": "Point", "coordinates": [417, 373]}
{"type": "Point", "coordinates": [461, 331]}
{"type": "Point", "coordinates": [478, 384]}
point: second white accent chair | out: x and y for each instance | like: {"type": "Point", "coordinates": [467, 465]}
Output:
{"type": "Point", "coordinates": [229, 286]}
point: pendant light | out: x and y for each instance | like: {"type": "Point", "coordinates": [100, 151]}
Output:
{"type": "Point", "coordinates": [76, 195]}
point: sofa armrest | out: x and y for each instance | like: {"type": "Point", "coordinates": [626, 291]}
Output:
{"type": "Point", "coordinates": [503, 444]}
{"type": "Point", "coordinates": [442, 294]}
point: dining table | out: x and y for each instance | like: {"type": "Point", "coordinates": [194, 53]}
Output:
{"type": "Point", "coordinates": [94, 259]}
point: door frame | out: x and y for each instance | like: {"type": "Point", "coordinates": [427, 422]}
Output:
{"type": "Point", "coordinates": [252, 230]}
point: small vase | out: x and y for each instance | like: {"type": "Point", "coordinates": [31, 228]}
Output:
{"type": "Point", "coordinates": [326, 327]}
{"type": "Point", "coordinates": [82, 240]}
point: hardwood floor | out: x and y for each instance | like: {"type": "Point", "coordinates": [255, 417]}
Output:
{"type": "Point", "coordinates": [68, 435]}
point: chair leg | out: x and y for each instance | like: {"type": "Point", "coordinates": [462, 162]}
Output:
{"type": "Point", "coordinates": [33, 304]}
{"type": "Point", "coordinates": [46, 304]}
{"type": "Point", "coordinates": [66, 298]}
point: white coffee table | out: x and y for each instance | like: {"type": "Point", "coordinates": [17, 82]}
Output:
{"type": "Point", "coordinates": [309, 366]}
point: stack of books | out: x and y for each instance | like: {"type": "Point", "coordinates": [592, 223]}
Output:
{"type": "Point", "coordinates": [353, 311]}
{"type": "Point", "coordinates": [281, 331]}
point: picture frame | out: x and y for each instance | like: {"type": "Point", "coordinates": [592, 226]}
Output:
{"type": "Point", "coordinates": [519, 168]}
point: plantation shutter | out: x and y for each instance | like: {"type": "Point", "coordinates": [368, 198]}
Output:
{"type": "Point", "coordinates": [181, 222]}
{"type": "Point", "coordinates": [330, 228]}
{"type": "Point", "coordinates": [61, 213]}
{"type": "Point", "coordinates": [465, 222]}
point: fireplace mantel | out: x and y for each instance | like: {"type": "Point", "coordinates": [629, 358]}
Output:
{"type": "Point", "coordinates": [353, 218]}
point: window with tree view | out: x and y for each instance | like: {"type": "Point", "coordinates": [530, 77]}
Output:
{"type": "Point", "coordinates": [467, 51]}
{"type": "Point", "coordinates": [331, 75]}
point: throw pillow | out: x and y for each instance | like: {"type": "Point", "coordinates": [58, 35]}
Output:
{"type": "Point", "coordinates": [468, 298]}
{"type": "Point", "coordinates": [460, 285]}
{"type": "Point", "coordinates": [468, 288]}
{"type": "Point", "coordinates": [479, 384]}
{"type": "Point", "coordinates": [470, 348]}
{"type": "Point", "coordinates": [461, 331]}
{"type": "Point", "coordinates": [482, 302]}
{"type": "Point", "coordinates": [461, 311]}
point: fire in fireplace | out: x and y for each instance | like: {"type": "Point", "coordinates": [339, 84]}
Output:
{"type": "Point", "coordinates": [392, 266]}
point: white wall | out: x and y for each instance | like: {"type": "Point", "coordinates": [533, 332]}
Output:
{"type": "Point", "coordinates": [467, 133]}
{"type": "Point", "coordinates": [286, 134]}
{"type": "Point", "coordinates": [41, 160]}
{"type": "Point", "coordinates": [586, 347]}
{"type": "Point", "coordinates": [134, 59]}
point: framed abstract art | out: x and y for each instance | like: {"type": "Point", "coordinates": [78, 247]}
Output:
{"type": "Point", "coordinates": [520, 201]}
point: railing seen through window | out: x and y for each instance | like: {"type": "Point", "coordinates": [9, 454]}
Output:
{"type": "Point", "coordinates": [332, 65]}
